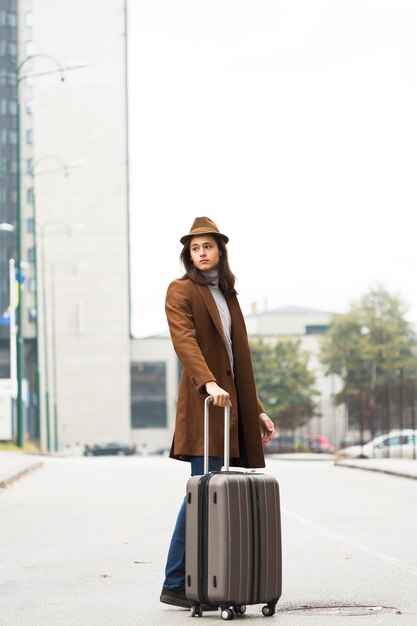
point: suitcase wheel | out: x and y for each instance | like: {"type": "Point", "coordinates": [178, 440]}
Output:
{"type": "Point", "coordinates": [227, 614]}
{"type": "Point", "coordinates": [196, 611]}
{"type": "Point", "coordinates": [268, 610]}
{"type": "Point", "coordinates": [240, 609]}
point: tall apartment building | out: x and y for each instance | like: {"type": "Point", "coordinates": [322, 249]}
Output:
{"type": "Point", "coordinates": [74, 198]}
{"type": "Point", "coordinates": [8, 145]}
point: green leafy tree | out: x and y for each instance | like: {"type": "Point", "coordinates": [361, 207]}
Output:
{"type": "Point", "coordinates": [284, 383]}
{"type": "Point", "coordinates": [373, 348]}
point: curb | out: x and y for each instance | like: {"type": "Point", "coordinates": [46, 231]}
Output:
{"type": "Point", "coordinates": [8, 481]}
{"type": "Point", "coordinates": [380, 470]}
{"type": "Point", "coordinates": [299, 456]}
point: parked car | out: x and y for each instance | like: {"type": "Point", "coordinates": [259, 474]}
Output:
{"type": "Point", "coordinates": [286, 443]}
{"type": "Point", "coordinates": [395, 444]}
{"type": "Point", "coordinates": [163, 451]}
{"type": "Point", "coordinates": [110, 448]}
{"type": "Point", "coordinates": [320, 444]}
{"type": "Point", "coordinates": [353, 438]}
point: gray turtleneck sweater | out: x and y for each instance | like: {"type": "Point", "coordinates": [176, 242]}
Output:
{"type": "Point", "coordinates": [224, 312]}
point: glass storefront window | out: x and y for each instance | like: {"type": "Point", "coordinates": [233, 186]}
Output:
{"type": "Point", "coordinates": [148, 395]}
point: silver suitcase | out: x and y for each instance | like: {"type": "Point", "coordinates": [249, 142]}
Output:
{"type": "Point", "coordinates": [233, 537]}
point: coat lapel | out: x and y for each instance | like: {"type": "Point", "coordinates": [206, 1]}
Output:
{"type": "Point", "coordinates": [212, 308]}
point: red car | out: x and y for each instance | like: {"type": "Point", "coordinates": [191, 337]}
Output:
{"type": "Point", "coordinates": [319, 443]}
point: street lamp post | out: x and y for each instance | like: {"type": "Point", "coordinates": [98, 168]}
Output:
{"type": "Point", "coordinates": [54, 365]}
{"type": "Point", "coordinates": [63, 166]}
{"type": "Point", "coordinates": [64, 226]}
{"type": "Point", "coordinates": [53, 268]}
{"type": "Point", "coordinates": [61, 226]}
{"type": "Point", "coordinates": [45, 347]}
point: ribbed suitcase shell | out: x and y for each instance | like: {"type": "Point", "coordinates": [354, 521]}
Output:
{"type": "Point", "coordinates": [233, 539]}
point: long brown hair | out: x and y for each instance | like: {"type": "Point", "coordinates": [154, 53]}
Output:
{"type": "Point", "coordinates": [226, 277]}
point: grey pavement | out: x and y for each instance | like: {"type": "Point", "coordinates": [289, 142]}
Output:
{"type": "Point", "coordinates": [84, 542]}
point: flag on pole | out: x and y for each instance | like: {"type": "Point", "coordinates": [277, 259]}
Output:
{"type": "Point", "coordinates": [19, 278]}
{"type": "Point", "coordinates": [5, 318]}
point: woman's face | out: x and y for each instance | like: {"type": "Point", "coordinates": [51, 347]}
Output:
{"type": "Point", "coordinates": [205, 253]}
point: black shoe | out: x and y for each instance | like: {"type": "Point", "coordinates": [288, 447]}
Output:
{"type": "Point", "coordinates": [177, 597]}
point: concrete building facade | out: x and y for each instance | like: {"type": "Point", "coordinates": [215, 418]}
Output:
{"type": "Point", "coordinates": [75, 226]}
{"type": "Point", "coordinates": [82, 217]}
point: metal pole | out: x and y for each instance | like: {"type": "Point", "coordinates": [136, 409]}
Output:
{"type": "Point", "coordinates": [226, 460]}
{"type": "Point", "coordinates": [206, 433]}
{"type": "Point", "coordinates": [226, 437]}
{"type": "Point", "coordinates": [361, 416]}
{"type": "Point", "coordinates": [388, 409]}
{"type": "Point", "coordinates": [20, 341]}
{"type": "Point", "coordinates": [413, 415]}
{"type": "Point", "coordinates": [401, 407]}
{"type": "Point", "coordinates": [38, 430]}
{"type": "Point", "coordinates": [54, 376]}
{"type": "Point", "coordinates": [45, 344]}
{"type": "Point", "coordinates": [13, 352]}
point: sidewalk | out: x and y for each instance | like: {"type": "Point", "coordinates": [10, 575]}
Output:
{"type": "Point", "coordinates": [398, 467]}
{"type": "Point", "coordinates": [14, 465]}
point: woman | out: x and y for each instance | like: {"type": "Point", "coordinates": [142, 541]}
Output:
{"type": "Point", "coordinates": [209, 336]}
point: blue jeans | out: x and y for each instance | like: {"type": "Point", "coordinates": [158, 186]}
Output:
{"type": "Point", "coordinates": [175, 567]}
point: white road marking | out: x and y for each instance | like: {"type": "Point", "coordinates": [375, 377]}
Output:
{"type": "Point", "coordinates": [410, 569]}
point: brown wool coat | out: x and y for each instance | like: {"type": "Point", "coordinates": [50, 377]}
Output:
{"type": "Point", "coordinates": [198, 339]}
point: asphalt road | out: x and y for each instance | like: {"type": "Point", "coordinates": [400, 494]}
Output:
{"type": "Point", "coordinates": [83, 542]}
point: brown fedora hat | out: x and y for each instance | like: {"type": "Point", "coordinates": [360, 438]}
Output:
{"type": "Point", "coordinates": [203, 226]}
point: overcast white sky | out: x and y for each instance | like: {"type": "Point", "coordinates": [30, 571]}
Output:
{"type": "Point", "coordinates": [293, 125]}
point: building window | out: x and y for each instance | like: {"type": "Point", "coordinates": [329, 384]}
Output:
{"type": "Point", "coordinates": [32, 285]}
{"type": "Point", "coordinates": [12, 19]}
{"type": "Point", "coordinates": [316, 329]}
{"type": "Point", "coordinates": [32, 315]}
{"type": "Point", "coordinates": [13, 137]}
{"type": "Point", "coordinates": [29, 107]}
{"type": "Point", "coordinates": [28, 48]}
{"type": "Point", "coordinates": [29, 136]}
{"type": "Point", "coordinates": [31, 255]}
{"type": "Point", "coordinates": [29, 19]}
{"type": "Point", "coordinates": [30, 225]}
{"type": "Point", "coordinates": [11, 49]}
{"type": "Point", "coordinates": [148, 395]}
{"type": "Point", "coordinates": [29, 195]}
{"type": "Point", "coordinates": [29, 166]}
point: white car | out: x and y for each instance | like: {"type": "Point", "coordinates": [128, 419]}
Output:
{"type": "Point", "coordinates": [395, 444]}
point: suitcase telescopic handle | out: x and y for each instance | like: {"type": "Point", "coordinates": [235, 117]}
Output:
{"type": "Point", "coordinates": [226, 461]}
